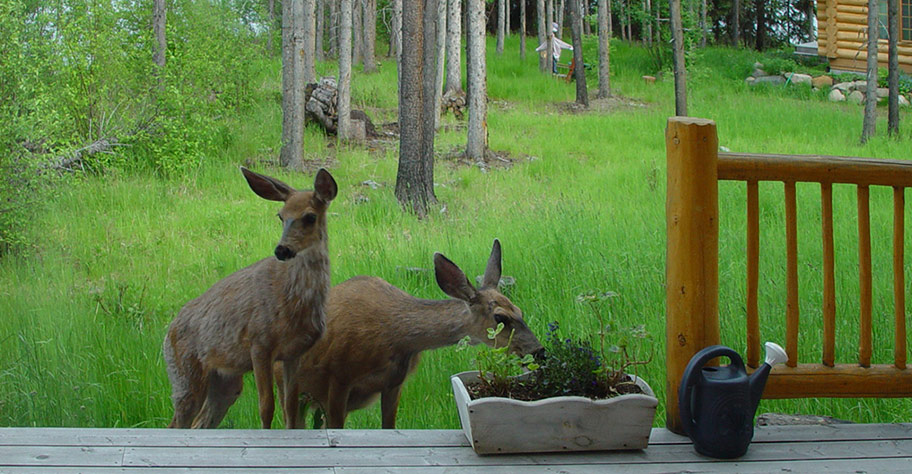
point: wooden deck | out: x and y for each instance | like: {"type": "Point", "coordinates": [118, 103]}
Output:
{"type": "Point", "coordinates": [834, 448]}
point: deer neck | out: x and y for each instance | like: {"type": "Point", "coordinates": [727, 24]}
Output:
{"type": "Point", "coordinates": [305, 281]}
{"type": "Point", "coordinates": [437, 323]}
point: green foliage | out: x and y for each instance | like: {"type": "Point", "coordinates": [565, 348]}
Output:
{"type": "Point", "coordinates": [497, 366]}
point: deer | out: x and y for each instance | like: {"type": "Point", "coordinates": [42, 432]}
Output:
{"type": "Point", "coordinates": [376, 333]}
{"type": "Point", "coordinates": [273, 310]}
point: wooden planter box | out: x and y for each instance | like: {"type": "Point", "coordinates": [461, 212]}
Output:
{"type": "Point", "coordinates": [502, 425]}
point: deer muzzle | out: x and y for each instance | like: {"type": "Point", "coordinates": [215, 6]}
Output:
{"type": "Point", "coordinates": [284, 253]}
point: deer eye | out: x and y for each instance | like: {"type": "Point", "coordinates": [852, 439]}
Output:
{"type": "Point", "coordinates": [309, 218]}
{"type": "Point", "coordinates": [501, 318]}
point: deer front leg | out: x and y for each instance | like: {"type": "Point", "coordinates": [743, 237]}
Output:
{"type": "Point", "coordinates": [262, 374]}
{"type": "Point", "coordinates": [289, 395]}
{"type": "Point", "coordinates": [338, 404]}
{"type": "Point", "coordinates": [389, 406]}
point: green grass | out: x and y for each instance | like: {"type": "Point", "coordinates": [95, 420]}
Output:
{"type": "Point", "coordinates": [112, 258]}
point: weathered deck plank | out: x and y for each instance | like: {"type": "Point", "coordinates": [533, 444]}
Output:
{"type": "Point", "coordinates": [832, 448]}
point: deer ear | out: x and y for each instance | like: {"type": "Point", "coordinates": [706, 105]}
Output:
{"type": "Point", "coordinates": [267, 187]}
{"type": "Point", "coordinates": [452, 280]}
{"type": "Point", "coordinates": [492, 271]}
{"type": "Point", "coordinates": [325, 186]}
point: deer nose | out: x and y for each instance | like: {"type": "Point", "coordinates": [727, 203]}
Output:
{"type": "Point", "coordinates": [539, 354]}
{"type": "Point", "coordinates": [283, 253]}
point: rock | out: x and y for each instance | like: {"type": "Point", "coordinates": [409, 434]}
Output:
{"type": "Point", "coordinates": [649, 79]}
{"type": "Point", "coordinates": [758, 65]}
{"type": "Point", "coordinates": [844, 87]}
{"type": "Point", "coordinates": [822, 81]}
{"type": "Point", "coordinates": [836, 96]}
{"type": "Point", "coordinates": [769, 80]}
{"type": "Point", "coordinates": [750, 80]}
{"type": "Point", "coordinates": [903, 102]}
{"type": "Point", "coordinates": [882, 92]}
{"type": "Point", "coordinates": [861, 86]}
{"type": "Point", "coordinates": [856, 97]}
{"type": "Point", "coordinates": [759, 73]}
{"type": "Point", "coordinates": [796, 78]}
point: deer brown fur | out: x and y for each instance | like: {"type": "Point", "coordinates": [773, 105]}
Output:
{"type": "Point", "coordinates": [376, 332]}
{"type": "Point", "coordinates": [273, 310]}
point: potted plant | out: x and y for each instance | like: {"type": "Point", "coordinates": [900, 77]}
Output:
{"type": "Point", "coordinates": [576, 398]}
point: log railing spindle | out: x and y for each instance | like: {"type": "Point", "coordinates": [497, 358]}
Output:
{"type": "Point", "coordinates": [829, 276]}
{"type": "Point", "coordinates": [899, 293]}
{"type": "Point", "coordinates": [791, 243]}
{"type": "Point", "coordinates": [864, 276]}
{"type": "Point", "coordinates": [753, 272]}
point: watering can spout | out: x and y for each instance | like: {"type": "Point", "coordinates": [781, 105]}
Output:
{"type": "Point", "coordinates": [775, 354]}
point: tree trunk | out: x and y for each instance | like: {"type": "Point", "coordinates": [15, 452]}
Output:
{"type": "Point", "coordinates": [522, 30]}
{"type": "Point", "coordinates": [321, 28]}
{"type": "Point", "coordinates": [604, 83]}
{"type": "Point", "coordinates": [893, 68]}
{"type": "Point", "coordinates": [454, 46]}
{"type": "Point", "coordinates": [507, 18]}
{"type": "Point", "coordinates": [291, 155]}
{"type": "Point", "coordinates": [309, 41]}
{"type": "Point", "coordinates": [561, 7]}
{"type": "Point", "coordinates": [544, 57]}
{"type": "Point", "coordinates": [357, 31]}
{"type": "Point", "coordinates": [414, 179]}
{"type": "Point", "coordinates": [680, 72]}
{"type": "Point", "coordinates": [370, 35]}
{"type": "Point", "coordinates": [159, 19]}
{"type": "Point", "coordinates": [648, 22]}
{"type": "Point", "coordinates": [736, 22]}
{"type": "Point", "coordinates": [345, 68]}
{"type": "Point", "coordinates": [396, 30]}
{"type": "Point", "coordinates": [551, 33]}
{"type": "Point", "coordinates": [576, 31]}
{"type": "Point", "coordinates": [761, 25]}
{"type": "Point", "coordinates": [477, 141]}
{"type": "Point", "coordinates": [501, 11]}
{"type": "Point", "coordinates": [703, 25]}
{"type": "Point", "coordinates": [441, 57]}
{"type": "Point", "coordinates": [869, 127]}
{"type": "Point", "coordinates": [584, 9]}
{"type": "Point", "coordinates": [622, 19]}
{"type": "Point", "coordinates": [272, 21]}
{"type": "Point", "coordinates": [334, 28]}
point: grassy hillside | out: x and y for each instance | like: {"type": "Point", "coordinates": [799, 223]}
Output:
{"type": "Point", "coordinates": [113, 257]}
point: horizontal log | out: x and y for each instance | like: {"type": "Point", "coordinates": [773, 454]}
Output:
{"type": "Point", "coordinates": [853, 18]}
{"type": "Point", "coordinates": [846, 64]}
{"type": "Point", "coordinates": [841, 381]}
{"type": "Point", "coordinates": [862, 3]}
{"type": "Point", "coordinates": [860, 10]}
{"type": "Point", "coordinates": [862, 56]}
{"type": "Point", "coordinates": [815, 168]}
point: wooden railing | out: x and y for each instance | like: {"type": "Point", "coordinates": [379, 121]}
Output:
{"type": "Point", "coordinates": [692, 290]}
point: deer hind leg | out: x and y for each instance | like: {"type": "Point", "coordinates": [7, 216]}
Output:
{"type": "Point", "coordinates": [222, 392]}
{"type": "Point", "coordinates": [338, 404]}
{"type": "Point", "coordinates": [289, 393]}
{"type": "Point", "coordinates": [187, 387]}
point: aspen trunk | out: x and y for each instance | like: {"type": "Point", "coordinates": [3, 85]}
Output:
{"type": "Point", "coordinates": [370, 35]}
{"type": "Point", "coordinates": [441, 56]}
{"type": "Point", "coordinates": [335, 28]}
{"type": "Point", "coordinates": [396, 30]}
{"type": "Point", "coordinates": [414, 179]}
{"type": "Point", "coordinates": [159, 19]}
{"type": "Point", "coordinates": [893, 68]}
{"type": "Point", "coordinates": [454, 46]}
{"type": "Point", "coordinates": [544, 60]}
{"type": "Point", "coordinates": [648, 22]}
{"type": "Point", "coordinates": [869, 126]}
{"type": "Point", "coordinates": [736, 22]}
{"type": "Point", "coordinates": [321, 28]}
{"type": "Point", "coordinates": [357, 31]}
{"type": "Point", "coordinates": [501, 11]}
{"type": "Point", "coordinates": [551, 34]}
{"type": "Point", "coordinates": [477, 140]}
{"type": "Point", "coordinates": [560, 18]}
{"type": "Point", "coordinates": [680, 72]}
{"type": "Point", "coordinates": [604, 83]}
{"type": "Point", "coordinates": [576, 31]}
{"type": "Point", "coordinates": [343, 107]}
{"type": "Point", "coordinates": [522, 30]}
{"type": "Point", "coordinates": [270, 8]}
{"type": "Point", "coordinates": [309, 41]}
{"type": "Point", "coordinates": [703, 25]}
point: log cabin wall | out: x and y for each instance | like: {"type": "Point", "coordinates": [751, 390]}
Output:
{"type": "Point", "coordinates": [842, 35]}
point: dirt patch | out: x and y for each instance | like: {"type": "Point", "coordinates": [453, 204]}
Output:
{"type": "Point", "coordinates": [529, 392]}
{"type": "Point", "coordinates": [604, 105]}
{"type": "Point", "coordinates": [492, 159]}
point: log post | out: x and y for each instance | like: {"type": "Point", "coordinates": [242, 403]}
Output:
{"type": "Point", "coordinates": [691, 269]}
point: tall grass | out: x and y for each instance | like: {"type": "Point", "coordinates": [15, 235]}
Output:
{"type": "Point", "coordinates": [112, 258]}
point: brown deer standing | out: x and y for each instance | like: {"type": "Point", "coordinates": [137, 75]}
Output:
{"type": "Point", "coordinates": [376, 332]}
{"type": "Point", "coordinates": [270, 311]}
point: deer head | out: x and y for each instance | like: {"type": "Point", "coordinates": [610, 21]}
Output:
{"type": "Point", "coordinates": [487, 305]}
{"type": "Point", "coordinates": [304, 214]}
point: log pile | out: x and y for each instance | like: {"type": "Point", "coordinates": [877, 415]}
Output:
{"type": "Point", "coordinates": [453, 101]}
{"type": "Point", "coordinates": [320, 106]}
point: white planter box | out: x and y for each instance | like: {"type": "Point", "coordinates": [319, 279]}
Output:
{"type": "Point", "coordinates": [502, 425]}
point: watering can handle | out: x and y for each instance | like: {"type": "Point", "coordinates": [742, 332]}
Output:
{"type": "Point", "coordinates": [693, 373]}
